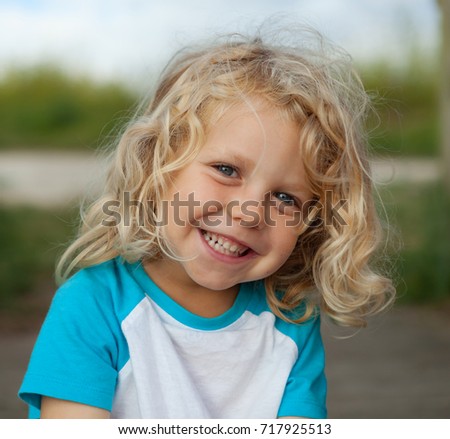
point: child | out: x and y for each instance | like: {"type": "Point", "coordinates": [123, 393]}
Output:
{"type": "Point", "coordinates": [237, 206]}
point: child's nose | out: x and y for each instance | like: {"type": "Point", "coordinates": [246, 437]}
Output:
{"type": "Point", "coordinates": [247, 211]}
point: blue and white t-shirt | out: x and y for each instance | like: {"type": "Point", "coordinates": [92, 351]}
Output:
{"type": "Point", "coordinates": [114, 340]}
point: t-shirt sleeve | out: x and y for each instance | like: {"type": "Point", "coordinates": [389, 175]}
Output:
{"type": "Point", "coordinates": [306, 388]}
{"type": "Point", "coordinates": [75, 355]}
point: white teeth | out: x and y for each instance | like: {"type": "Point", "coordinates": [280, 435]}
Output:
{"type": "Point", "coordinates": [222, 245]}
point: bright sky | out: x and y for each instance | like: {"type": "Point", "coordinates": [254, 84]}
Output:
{"type": "Point", "coordinates": [127, 38]}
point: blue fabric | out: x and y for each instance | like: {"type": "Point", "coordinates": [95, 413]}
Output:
{"type": "Point", "coordinates": [183, 315]}
{"type": "Point", "coordinates": [306, 389]}
{"type": "Point", "coordinates": [81, 347]}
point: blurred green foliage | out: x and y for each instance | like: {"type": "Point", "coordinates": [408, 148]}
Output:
{"type": "Point", "coordinates": [43, 107]}
{"type": "Point", "coordinates": [407, 104]}
{"type": "Point", "coordinates": [30, 241]}
{"type": "Point", "coordinates": [418, 240]}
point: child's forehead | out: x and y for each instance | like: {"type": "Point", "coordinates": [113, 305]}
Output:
{"type": "Point", "coordinates": [227, 111]}
{"type": "Point", "coordinates": [251, 129]}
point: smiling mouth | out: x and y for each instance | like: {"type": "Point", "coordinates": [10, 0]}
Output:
{"type": "Point", "coordinates": [224, 245]}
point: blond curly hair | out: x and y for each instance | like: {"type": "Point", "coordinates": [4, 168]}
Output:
{"type": "Point", "coordinates": [315, 85]}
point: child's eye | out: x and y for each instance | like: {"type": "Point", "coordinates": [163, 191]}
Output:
{"type": "Point", "coordinates": [285, 198]}
{"type": "Point", "coordinates": [227, 170]}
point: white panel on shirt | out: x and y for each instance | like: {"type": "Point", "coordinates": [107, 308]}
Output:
{"type": "Point", "coordinates": [175, 371]}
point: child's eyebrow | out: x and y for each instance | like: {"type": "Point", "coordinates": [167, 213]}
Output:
{"type": "Point", "coordinates": [244, 162]}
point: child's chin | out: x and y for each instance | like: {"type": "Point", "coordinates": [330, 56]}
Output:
{"type": "Point", "coordinates": [216, 285]}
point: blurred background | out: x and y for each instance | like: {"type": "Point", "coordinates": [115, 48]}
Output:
{"type": "Point", "coordinates": [72, 72]}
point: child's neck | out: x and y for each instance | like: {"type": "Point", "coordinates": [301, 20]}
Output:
{"type": "Point", "coordinates": [191, 296]}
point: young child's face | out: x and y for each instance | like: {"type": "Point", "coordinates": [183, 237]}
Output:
{"type": "Point", "coordinates": [234, 211]}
